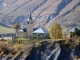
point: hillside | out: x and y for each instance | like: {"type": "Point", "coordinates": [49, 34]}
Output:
{"type": "Point", "coordinates": [44, 12]}
{"type": "Point", "coordinates": [4, 30]}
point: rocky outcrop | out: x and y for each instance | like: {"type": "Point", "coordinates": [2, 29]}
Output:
{"type": "Point", "coordinates": [45, 50]}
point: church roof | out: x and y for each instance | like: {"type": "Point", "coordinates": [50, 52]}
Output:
{"type": "Point", "coordinates": [20, 30]}
{"type": "Point", "coordinates": [41, 30]}
{"type": "Point", "coordinates": [30, 17]}
{"type": "Point", "coordinates": [24, 30]}
{"type": "Point", "coordinates": [35, 29]}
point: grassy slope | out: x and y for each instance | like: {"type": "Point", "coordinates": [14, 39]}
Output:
{"type": "Point", "coordinates": [4, 30]}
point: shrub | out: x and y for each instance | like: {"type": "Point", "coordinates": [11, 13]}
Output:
{"type": "Point", "coordinates": [42, 53]}
{"type": "Point", "coordinates": [3, 40]}
{"type": "Point", "coordinates": [37, 44]}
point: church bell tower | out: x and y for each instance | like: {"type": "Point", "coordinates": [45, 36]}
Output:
{"type": "Point", "coordinates": [30, 27]}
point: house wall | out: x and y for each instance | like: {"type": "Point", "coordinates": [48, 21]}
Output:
{"type": "Point", "coordinates": [42, 35]}
{"type": "Point", "coordinates": [21, 34]}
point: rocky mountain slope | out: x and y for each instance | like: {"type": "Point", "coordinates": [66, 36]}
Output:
{"type": "Point", "coordinates": [44, 12]}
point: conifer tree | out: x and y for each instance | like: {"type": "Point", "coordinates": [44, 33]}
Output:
{"type": "Point", "coordinates": [16, 26]}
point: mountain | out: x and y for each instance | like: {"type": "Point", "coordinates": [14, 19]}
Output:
{"type": "Point", "coordinates": [44, 12]}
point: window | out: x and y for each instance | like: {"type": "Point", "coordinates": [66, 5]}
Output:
{"type": "Point", "coordinates": [28, 22]}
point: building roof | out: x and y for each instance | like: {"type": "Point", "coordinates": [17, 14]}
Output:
{"type": "Point", "coordinates": [20, 30]}
{"type": "Point", "coordinates": [40, 30]}
{"type": "Point", "coordinates": [35, 29]}
{"type": "Point", "coordinates": [24, 30]}
{"type": "Point", "coordinates": [30, 17]}
{"type": "Point", "coordinates": [74, 29]}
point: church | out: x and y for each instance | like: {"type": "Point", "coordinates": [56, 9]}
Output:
{"type": "Point", "coordinates": [30, 32]}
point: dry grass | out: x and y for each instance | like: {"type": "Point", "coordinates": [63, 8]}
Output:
{"type": "Point", "coordinates": [37, 44]}
{"type": "Point", "coordinates": [76, 58]}
{"type": "Point", "coordinates": [2, 44]}
{"type": "Point", "coordinates": [66, 40]}
{"type": "Point", "coordinates": [3, 48]}
{"type": "Point", "coordinates": [16, 47]}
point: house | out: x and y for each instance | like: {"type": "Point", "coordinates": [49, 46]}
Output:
{"type": "Point", "coordinates": [74, 29]}
{"type": "Point", "coordinates": [29, 31]}
{"type": "Point", "coordinates": [7, 36]}
{"type": "Point", "coordinates": [74, 33]}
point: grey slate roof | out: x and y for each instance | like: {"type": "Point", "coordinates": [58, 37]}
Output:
{"type": "Point", "coordinates": [30, 17]}
{"type": "Point", "coordinates": [41, 30]}
{"type": "Point", "coordinates": [35, 29]}
{"type": "Point", "coordinates": [20, 30]}
{"type": "Point", "coordinates": [74, 29]}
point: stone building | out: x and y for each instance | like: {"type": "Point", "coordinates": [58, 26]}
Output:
{"type": "Point", "coordinates": [29, 30]}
